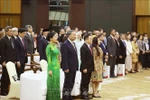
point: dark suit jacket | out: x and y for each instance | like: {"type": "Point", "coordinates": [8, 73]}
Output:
{"type": "Point", "coordinates": [69, 57]}
{"type": "Point", "coordinates": [7, 51]}
{"type": "Point", "coordinates": [104, 49]}
{"type": "Point", "coordinates": [121, 52]}
{"type": "Point", "coordinates": [29, 43]}
{"type": "Point", "coordinates": [111, 46]}
{"type": "Point", "coordinates": [38, 39]}
{"type": "Point", "coordinates": [87, 61]}
{"type": "Point", "coordinates": [20, 51]}
{"type": "Point", "coordinates": [42, 47]}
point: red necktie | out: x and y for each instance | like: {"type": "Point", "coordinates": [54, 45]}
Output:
{"type": "Point", "coordinates": [23, 43]}
{"type": "Point", "coordinates": [90, 49]}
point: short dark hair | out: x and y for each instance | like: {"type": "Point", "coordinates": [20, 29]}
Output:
{"type": "Point", "coordinates": [1, 29]}
{"type": "Point", "coordinates": [50, 35]}
{"type": "Point", "coordinates": [86, 36]}
{"type": "Point", "coordinates": [100, 35]}
{"type": "Point", "coordinates": [139, 36]}
{"type": "Point", "coordinates": [21, 30]}
{"type": "Point", "coordinates": [7, 28]}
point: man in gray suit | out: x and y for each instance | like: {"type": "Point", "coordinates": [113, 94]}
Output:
{"type": "Point", "coordinates": [112, 46]}
{"type": "Point", "coordinates": [29, 41]}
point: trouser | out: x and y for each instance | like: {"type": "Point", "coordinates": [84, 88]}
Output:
{"type": "Point", "coordinates": [68, 85]}
{"type": "Point", "coordinates": [85, 80]}
{"type": "Point", "coordinates": [112, 62]}
{"type": "Point", "coordinates": [5, 81]}
{"type": "Point", "coordinates": [20, 70]}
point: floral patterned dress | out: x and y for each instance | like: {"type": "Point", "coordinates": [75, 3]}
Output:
{"type": "Point", "coordinates": [98, 65]}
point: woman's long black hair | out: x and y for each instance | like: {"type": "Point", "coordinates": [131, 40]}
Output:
{"type": "Point", "coordinates": [95, 44]}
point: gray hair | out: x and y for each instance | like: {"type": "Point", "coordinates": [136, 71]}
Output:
{"type": "Point", "coordinates": [28, 26]}
{"type": "Point", "coordinates": [7, 28]}
{"type": "Point", "coordinates": [14, 29]}
{"type": "Point", "coordinates": [70, 32]}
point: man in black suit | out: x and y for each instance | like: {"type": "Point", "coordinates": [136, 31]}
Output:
{"type": "Point", "coordinates": [69, 64]}
{"type": "Point", "coordinates": [21, 51]}
{"type": "Point", "coordinates": [43, 44]}
{"type": "Point", "coordinates": [61, 33]}
{"type": "Point", "coordinates": [112, 47]}
{"type": "Point", "coordinates": [121, 50]}
{"type": "Point", "coordinates": [103, 47]}
{"type": "Point", "coordinates": [38, 38]}
{"type": "Point", "coordinates": [8, 54]}
{"type": "Point", "coordinates": [1, 36]}
{"type": "Point", "coordinates": [87, 66]}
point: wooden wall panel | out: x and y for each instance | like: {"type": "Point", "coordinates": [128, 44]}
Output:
{"type": "Point", "coordinates": [142, 7]}
{"type": "Point", "coordinates": [2, 6]}
{"type": "Point", "coordinates": [143, 25]}
{"type": "Point", "coordinates": [10, 6]}
{"type": "Point", "coordinates": [15, 6]}
{"type": "Point", "coordinates": [77, 15]}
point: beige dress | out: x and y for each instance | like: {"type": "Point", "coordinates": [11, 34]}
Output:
{"type": "Point", "coordinates": [98, 65]}
{"type": "Point", "coordinates": [135, 53]}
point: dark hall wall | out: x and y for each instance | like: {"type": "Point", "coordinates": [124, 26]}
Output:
{"type": "Point", "coordinates": [35, 13]}
{"type": "Point", "coordinates": [109, 14]}
{"type": "Point", "coordinates": [29, 13]}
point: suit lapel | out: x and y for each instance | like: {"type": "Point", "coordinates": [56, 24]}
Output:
{"type": "Point", "coordinates": [20, 42]}
{"type": "Point", "coordinates": [87, 48]}
{"type": "Point", "coordinates": [8, 41]}
{"type": "Point", "coordinates": [71, 46]}
{"type": "Point", "coordinates": [30, 37]}
{"type": "Point", "coordinates": [45, 41]}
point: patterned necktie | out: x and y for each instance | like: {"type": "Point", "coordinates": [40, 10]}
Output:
{"type": "Point", "coordinates": [23, 43]}
{"type": "Point", "coordinates": [74, 46]}
{"type": "Point", "coordinates": [12, 44]}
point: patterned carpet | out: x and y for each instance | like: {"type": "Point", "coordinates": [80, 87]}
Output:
{"type": "Point", "coordinates": [131, 87]}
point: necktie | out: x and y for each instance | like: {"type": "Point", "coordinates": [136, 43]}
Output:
{"type": "Point", "coordinates": [74, 45]}
{"type": "Point", "coordinates": [90, 49]}
{"type": "Point", "coordinates": [23, 43]}
{"type": "Point", "coordinates": [12, 44]}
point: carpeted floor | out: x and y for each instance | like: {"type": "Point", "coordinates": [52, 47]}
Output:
{"type": "Point", "coordinates": [131, 87]}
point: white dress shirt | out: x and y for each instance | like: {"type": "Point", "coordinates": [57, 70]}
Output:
{"type": "Point", "coordinates": [128, 47]}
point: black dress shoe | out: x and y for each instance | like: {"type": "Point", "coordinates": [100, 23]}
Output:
{"type": "Point", "coordinates": [85, 98]}
{"type": "Point", "coordinates": [4, 94]}
{"type": "Point", "coordinates": [97, 96]}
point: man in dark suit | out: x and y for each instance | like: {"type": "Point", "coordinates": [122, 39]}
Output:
{"type": "Point", "coordinates": [103, 47]}
{"type": "Point", "coordinates": [21, 51]}
{"type": "Point", "coordinates": [29, 41]}
{"type": "Point", "coordinates": [112, 47]}
{"type": "Point", "coordinates": [69, 64]}
{"type": "Point", "coordinates": [1, 36]}
{"type": "Point", "coordinates": [8, 54]}
{"type": "Point", "coordinates": [87, 66]}
{"type": "Point", "coordinates": [121, 50]}
{"type": "Point", "coordinates": [43, 44]}
{"type": "Point", "coordinates": [61, 33]}
{"type": "Point", "coordinates": [38, 38]}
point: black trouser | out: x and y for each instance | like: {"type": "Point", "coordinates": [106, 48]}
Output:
{"type": "Point", "coordinates": [85, 80]}
{"type": "Point", "coordinates": [146, 60]}
{"type": "Point", "coordinates": [5, 81]}
{"type": "Point", "coordinates": [68, 85]}
{"type": "Point", "coordinates": [20, 70]}
{"type": "Point", "coordinates": [112, 62]}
